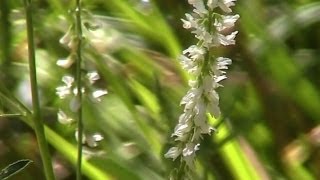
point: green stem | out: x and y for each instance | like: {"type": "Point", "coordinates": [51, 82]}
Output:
{"type": "Point", "coordinates": [79, 86]}
{"type": "Point", "coordinates": [36, 116]}
{"type": "Point", "coordinates": [5, 36]}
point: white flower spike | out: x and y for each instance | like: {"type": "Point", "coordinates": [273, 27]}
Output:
{"type": "Point", "coordinates": [207, 70]}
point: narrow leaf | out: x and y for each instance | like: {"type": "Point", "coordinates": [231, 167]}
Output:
{"type": "Point", "coordinates": [14, 168]}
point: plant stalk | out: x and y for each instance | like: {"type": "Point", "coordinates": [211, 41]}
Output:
{"type": "Point", "coordinates": [36, 115]}
{"type": "Point", "coordinates": [5, 36]}
{"type": "Point", "coordinates": [79, 86]}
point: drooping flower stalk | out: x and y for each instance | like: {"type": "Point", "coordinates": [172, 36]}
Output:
{"type": "Point", "coordinates": [78, 86]}
{"type": "Point", "coordinates": [207, 71]}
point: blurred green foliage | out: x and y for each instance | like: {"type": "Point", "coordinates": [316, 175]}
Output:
{"type": "Point", "coordinates": [270, 102]}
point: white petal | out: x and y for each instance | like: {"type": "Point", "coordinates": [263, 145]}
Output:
{"type": "Point", "coordinates": [66, 38]}
{"type": "Point", "coordinates": [181, 131]}
{"type": "Point", "coordinates": [222, 62]}
{"type": "Point", "coordinates": [65, 63]}
{"type": "Point", "coordinates": [93, 76]}
{"type": "Point", "coordinates": [190, 22]}
{"type": "Point", "coordinates": [227, 40]}
{"type": "Point", "coordinates": [92, 140]}
{"type": "Point", "coordinates": [220, 78]}
{"type": "Point", "coordinates": [225, 22]}
{"type": "Point", "coordinates": [63, 91]}
{"type": "Point", "coordinates": [195, 52]}
{"type": "Point", "coordinates": [190, 149]}
{"type": "Point", "coordinates": [199, 6]}
{"type": "Point", "coordinates": [173, 153]}
{"type": "Point", "coordinates": [186, 24]}
{"type": "Point", "coordinates": [212, 4]}
{"type": "Point", "coordinates": [98, 93]}
{"type": "Point", "coordinates": [213, 105]}
{"type": "Point", "coordinates": [68, 80]}
{"type": "Point", "coordinates": [63, 118]}
{"type": "Point", "coordinates": [97, 137]}
{"type": "Point", "coordinates": [91, 143]}
{"type": "Point", "coordinates": [225, 5]}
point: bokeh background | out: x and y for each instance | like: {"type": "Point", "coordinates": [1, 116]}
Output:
{"type": "Point", "coordinates": [270, 101]}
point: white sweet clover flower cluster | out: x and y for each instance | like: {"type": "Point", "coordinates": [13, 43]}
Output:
{"type": "Point", "coordinates": [68, 91]}
{"type": "Point", "coordinates": [208, 71]}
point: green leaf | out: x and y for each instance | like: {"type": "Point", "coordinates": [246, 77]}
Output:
{"type": "Point", "coordinates": [14, 168]}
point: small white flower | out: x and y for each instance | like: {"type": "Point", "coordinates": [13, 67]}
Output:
{"type": "Point", "coordinates": [68, 80]}
{"type": "Point", "coordinates": [222, 62]}
{"type": "Point", "coordinates": [65, 63]}
{"type": "Point", "coordinates": [66, 38]}
{"type": "Point", "coordinates": [220, 65]}
{"type": "Point", "coordinates": [213, 103]}
{"type": "Point", "coordinates": [217, 79]}
{"type": "Point", "coordinates": [173, 153]}
{"type": "Point", "coordinates": [189, 65]}
{"type": "Point", "coordinates": [92, 140]}
{"type": "Point", "coordinates": [223, 4]}
{"type": "Point", "coordinates": [190, 22]}
{"type": "Point", "coordinates": [195, 52]}
{"type": "Point", "coordinates": [202, 34]}
{"type": "Point", "coordinates": [190, 98]}
{"type": "Point", "coordinates": [185, 117]}
{"type": "Point", "coordinates": [199, 6]}
{"type": "Point", "coordinates": [225, 22]}
{"type": "Point", "coordinates": [63, 91]}
{"type": "Point", "coordinates": [93, 76]}
{"type": "Point", "coordinates": [63, 118]}
{"type": "Point", "coordinates": [189, 153]}
{"type": "Point", "coordinates": [206, 129]}
{"type": "Point", "coordinates": [226, 4]}
{"type": "Point", "coordinates": [181, 131]}
{"type": "Point", "coordinates": [200, 117]}
{"type": "Point", "coordinates": [212, 4]}
{"type": "Point", "coordinates": [99, 93]}
{"type": "Point", "coordinates": [227, 40]}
